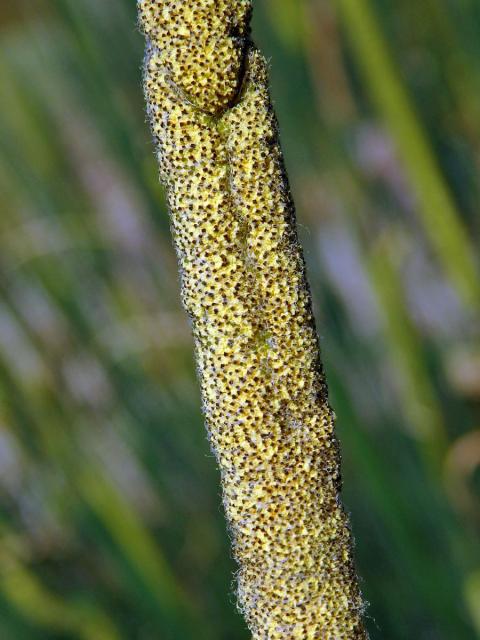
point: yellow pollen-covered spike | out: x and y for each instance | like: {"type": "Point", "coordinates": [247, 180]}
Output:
{"type": "Point", "coordinates": [244, 288]}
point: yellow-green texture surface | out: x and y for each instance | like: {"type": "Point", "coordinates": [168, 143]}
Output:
{"type": "Point", "coordinates": [244, 288]}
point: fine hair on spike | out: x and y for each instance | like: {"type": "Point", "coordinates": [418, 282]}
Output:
{"type": "Point", "coordinates": [244, 287]}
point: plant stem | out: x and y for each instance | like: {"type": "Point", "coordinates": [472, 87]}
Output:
{"type": "Point", "coordinates": [245, 290]}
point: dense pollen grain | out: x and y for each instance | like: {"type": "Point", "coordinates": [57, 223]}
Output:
{"type": "Point", "coordinates": [244, 287]}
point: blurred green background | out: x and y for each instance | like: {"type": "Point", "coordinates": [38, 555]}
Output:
{"type": "Point", "coordinates": [110, 513]}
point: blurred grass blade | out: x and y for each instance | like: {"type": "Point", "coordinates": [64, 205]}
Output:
{"type": "Point", "coordinates": [103, 498]}
{"type": "Point", "coordinates": [440, 218]}
{"type": "Point", "coordinates": [48, 610]}
{"type": "Point", "coordinates": [137, 545]}
{"type": "Point", "coordinates": [418, 398]}
{"type": "Point", "coordinates": [472, 595]}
